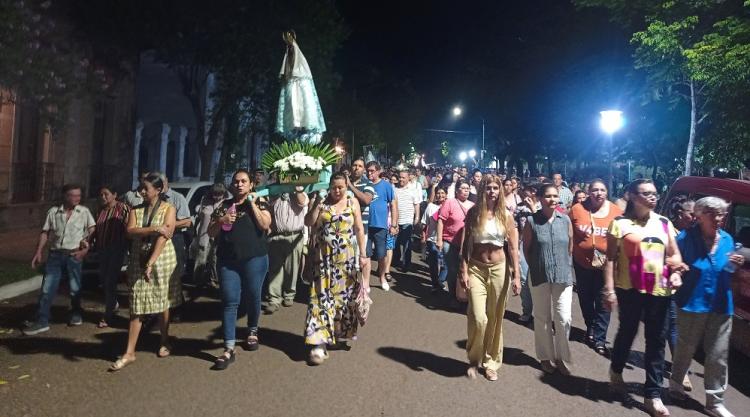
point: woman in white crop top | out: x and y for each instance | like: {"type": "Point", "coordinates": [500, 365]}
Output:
{"type": "Point", "coordinates": [489, 227]}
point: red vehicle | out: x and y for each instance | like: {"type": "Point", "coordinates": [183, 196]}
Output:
{"type": "Point", "coordinates": [737, 192]}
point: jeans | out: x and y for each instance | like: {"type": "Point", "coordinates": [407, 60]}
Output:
{"type": "Point", "coordinates": [241, 281]}
{"type": "Point", "coordinates": [672, 326]}
{"type": "Point", "coordinates": [403, 242]}
{"type": "Point", "coordinates": [453, 261]}
{"type": "Point", "coordinates": [589, 285]}
{"type": "Point", "coordinates": [632, 307]}
{"type": "Point", "coordinates": [110, 264]}
{"type": "Point", "coordinates": [713, 331]}
{"type": "Point", "coordinates": [56, 263]}
{"type": "Point", "coordinates": [527, 304]}
{"type": "Point", "coordinates": [436, 262]}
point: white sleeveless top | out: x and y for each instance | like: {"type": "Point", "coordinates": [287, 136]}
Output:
{"type": "Point", "coordinates": [491, 235]}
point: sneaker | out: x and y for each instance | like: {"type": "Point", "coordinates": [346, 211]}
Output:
{"type": "Point", "coordinates": [718, 411]}
{"type": "Point", "coordinates": [677, 391]}
{"type": "Point", "coordinates": [317, 356]}
{"type": "Point", "coordinates": [75, 320]}
{"type": "Point", "coordinates": [655, 407]}
{"type": "Point", "coordinates": [385, 286]}
{"type": "Point", "coordinates": [35, 328]}
{"type": "Point", "coordinates": [271, 308]}
{"type": "Point", "coordinates": [616, 383]}
{"type": "Point", "coordinates": [287, 303]}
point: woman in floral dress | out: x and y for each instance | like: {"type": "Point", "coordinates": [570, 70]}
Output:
{"type": "Point", "coordinates": [331, 317]}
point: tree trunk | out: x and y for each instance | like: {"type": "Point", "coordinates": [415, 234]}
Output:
{"type": "Point", "coordinates": [693, 125]}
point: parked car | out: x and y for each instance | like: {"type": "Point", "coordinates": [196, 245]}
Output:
{"type": "Point", "coordinates": [737, 192]}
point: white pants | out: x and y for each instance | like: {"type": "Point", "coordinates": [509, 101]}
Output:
{"type": "Point", "coordinates": [549, 299]}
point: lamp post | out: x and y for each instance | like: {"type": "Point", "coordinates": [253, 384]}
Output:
{"type": "Point", "coordinates": [610, 121]}
{"type": "Point", "coordinates": [457, 112]}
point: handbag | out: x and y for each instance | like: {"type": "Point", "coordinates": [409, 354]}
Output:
{"type": "Point", "coordinates": [362, 302]}
{"type": "Point", "coordinates": [599, 260]}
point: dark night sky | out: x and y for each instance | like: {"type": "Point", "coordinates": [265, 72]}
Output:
{"type": "Point", "coordinates": [510, 62]}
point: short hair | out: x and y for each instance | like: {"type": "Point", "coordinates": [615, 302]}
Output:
{"type": "Point", "coordinates": [109, 188]}
{"type": "Point", "coordinates": [359, 158]}
{"type": "Point", "coordinates": [709, 204]}
{"type": "Point", "coordinates": [218, 188]}
{"type": "Point", "coordinates": [70, 187]}
{"type": "Point", "coordinates": [373, 164]}
{"type": "Point", "coordinates": [543, 189]}
{"type": "Point", "coordinates": [598, 181]}
{"type": "Point", "coordinates": [240, 171]}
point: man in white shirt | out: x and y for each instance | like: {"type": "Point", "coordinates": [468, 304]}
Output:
{"type": "Point", "coordinates": [408, 199]}
{"type": "Point", "coordinates": [66, 229]}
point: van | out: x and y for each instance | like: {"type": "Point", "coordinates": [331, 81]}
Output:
{"type": "Point", "coordinates": [737, 193]}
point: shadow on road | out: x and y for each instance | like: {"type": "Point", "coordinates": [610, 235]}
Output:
{"type": "Point", "coordinates": [293, 345]}
{"type": "Point", "coordinates": [419, 361]}
{"type": "Point", "coordinates": [419, 288]}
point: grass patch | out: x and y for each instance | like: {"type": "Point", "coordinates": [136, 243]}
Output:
{"type": "Point", "coordinates": [13, 271]}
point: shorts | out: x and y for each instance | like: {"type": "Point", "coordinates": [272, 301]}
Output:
{"type": "Point", "coordinates": [390, 242]}
{"type": "Point", "coordinates": [377, 237]}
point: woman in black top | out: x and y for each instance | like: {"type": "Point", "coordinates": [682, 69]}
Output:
{"type": "Point", "coordinates": [239, 227]}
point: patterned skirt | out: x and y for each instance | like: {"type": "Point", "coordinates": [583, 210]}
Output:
{"type": "Point", "coordinates": [330, 316]}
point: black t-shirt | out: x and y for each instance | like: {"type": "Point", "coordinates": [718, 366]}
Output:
{"type": "Point", "coordinates": [246, 240]}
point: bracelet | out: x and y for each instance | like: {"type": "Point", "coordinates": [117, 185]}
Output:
{"type": "Point", "coordinates": [608, 293]}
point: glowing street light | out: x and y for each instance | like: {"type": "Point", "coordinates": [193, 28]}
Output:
{"type": "Point", "coordinates": [472, 153]}
{"type": "Point", "coordinates": [611, 121]}
{"type": "Point", "coordinates": [457, 112]}
{"type": "Point", "coordinates": [462, 156]}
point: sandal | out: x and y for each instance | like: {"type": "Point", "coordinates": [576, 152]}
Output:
{"type": "Point", "coordinates": [251, 343]}
{"type": "Point", "coordinates": [602, 350]}
{"type": "Point", "coordinates": [120, 363]}
{"type": "Point", "coordinates": [388, 277]}
{"type": "Point", "coordinates": [102, 324]}
{"type": "Point", "coordinates": [490, 374]}
{"type": "Point", "coordinates": [224, 360]}
{"type": "Point", "coordinates": [164, 351]}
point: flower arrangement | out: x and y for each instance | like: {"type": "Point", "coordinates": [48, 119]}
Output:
{"type": "Point", "coordinates": [291, 161]}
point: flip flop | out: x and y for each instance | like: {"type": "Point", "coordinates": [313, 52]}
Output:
{"type": "Point", "coordinates": [120, 363]}
{"type": "Point", "coordinates": [102, 324]}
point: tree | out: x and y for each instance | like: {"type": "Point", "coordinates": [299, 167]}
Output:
{"type": "Point", "coordinates": [691, 51]}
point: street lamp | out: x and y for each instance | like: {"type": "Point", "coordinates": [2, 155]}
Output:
{"type": "Point", "coordinates": [472, 153]}
{"type": "Point", "coordinates": [457, 112]}
{"type": "Point", "coordinates": [611, 121]}
{"type": "Point", "coordinates": [462, 156]}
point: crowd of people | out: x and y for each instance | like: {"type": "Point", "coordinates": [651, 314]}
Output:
{"type": "Point", "coordinates": [483, 236]}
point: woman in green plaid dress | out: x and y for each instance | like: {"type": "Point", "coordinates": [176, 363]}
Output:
{"type": "Point", "coordinates": [151, 266]}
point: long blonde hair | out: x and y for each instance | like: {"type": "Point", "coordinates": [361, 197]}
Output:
{"type": "Point", "coordinates": [477, 216]}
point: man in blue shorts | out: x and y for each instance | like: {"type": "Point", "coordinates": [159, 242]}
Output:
{"type": "Point", "coordinates": [378, 222]}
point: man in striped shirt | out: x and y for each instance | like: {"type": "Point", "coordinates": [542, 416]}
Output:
{"type": "Point", "coordinates": [408, 199]}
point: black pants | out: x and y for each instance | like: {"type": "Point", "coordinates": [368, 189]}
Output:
{"type": "Point", "coordinates": [589, 284]}
{"type": "Point", "coordinates": [632, 307]}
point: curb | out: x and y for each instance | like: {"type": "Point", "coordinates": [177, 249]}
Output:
{"type": "Point", "coordinates": [21, 287]}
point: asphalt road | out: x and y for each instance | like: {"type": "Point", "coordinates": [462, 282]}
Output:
{"type": "Point", "coordinates": [409, 361]}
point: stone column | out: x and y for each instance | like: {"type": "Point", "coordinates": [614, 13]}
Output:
{"type": "Point", "coordinates": [165, 129]}
{"type": "Point", "coordinates": [137, 152]}
{"type": "Point", "coordinates": [180, 165]}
